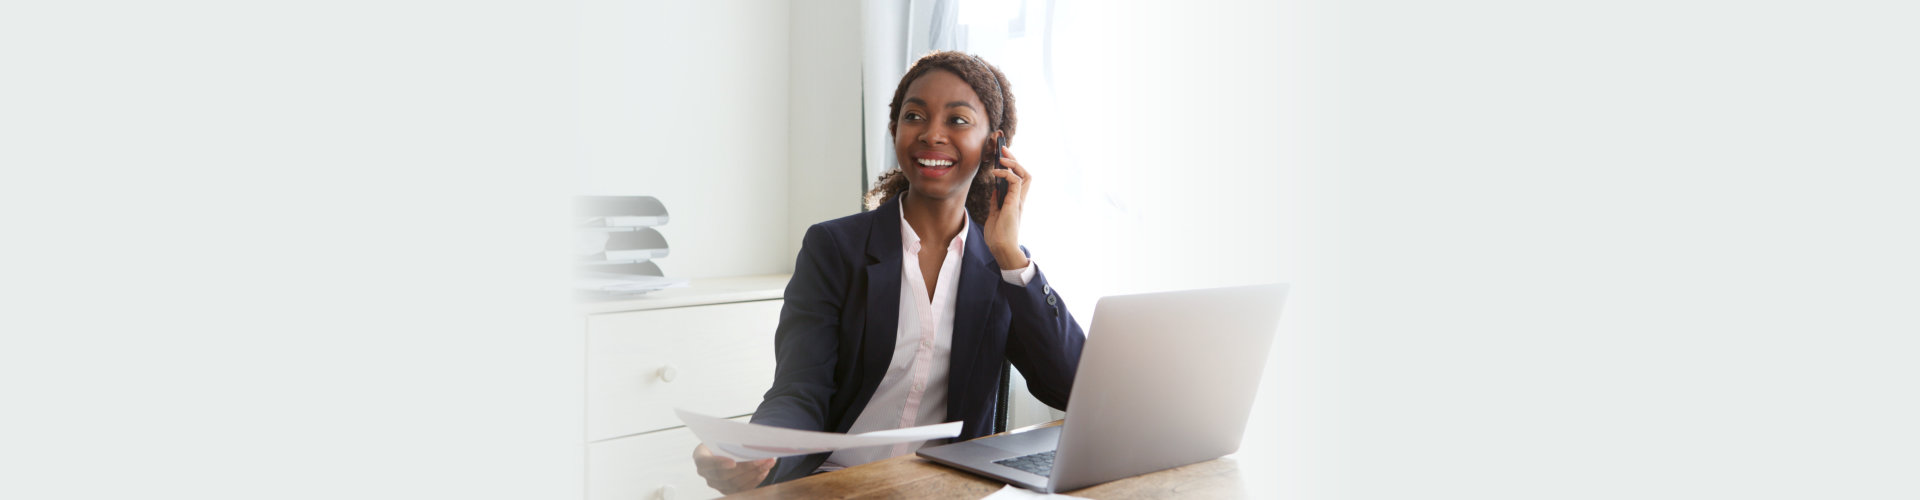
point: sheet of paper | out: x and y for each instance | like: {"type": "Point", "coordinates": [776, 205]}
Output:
{"type": "Point", "coordinates": [1012, 492]}
{"type": "Point", "coordinates": [624, 283]}
{"type": "Point", "coordinates": [744, 441]}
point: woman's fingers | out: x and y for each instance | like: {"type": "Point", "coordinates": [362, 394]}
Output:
{"type": "Point", "coordinates": [728, 476]}
{"type": "Point", "coordinates": [753, 468]}
{"type": "Point", "coordinates": [1017, 178]}
{"type": "Point", "coordinates": [739, 475]}
{"type": "Point", "coordinates": [1015, 189]}
{"type": "Point", "coordinates": [1012, 163]}
{"type": "Point", "coordinates": [760, 470]}
{"type": "Point", "coordinates": [708, 463]}
{"type": "Point", "coordinates": [1003, 219]}
{"type": "Point", "coordinates": [747, 475]}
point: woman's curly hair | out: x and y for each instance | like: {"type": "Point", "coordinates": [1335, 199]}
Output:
{"type": "Point", "coordinates": [995, 94]}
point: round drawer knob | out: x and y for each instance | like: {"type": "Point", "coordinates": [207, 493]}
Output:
{"type": "Point", "coordinates": [664, 493]}
{"type": "Point", "coordinates": [667, 374]}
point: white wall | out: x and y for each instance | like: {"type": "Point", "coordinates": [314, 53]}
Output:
{"type": "Point", "coordinates": [743, 117]}
{"type": "Point", "coordinates": [689, 102]}
{"type": "Point", "coordinates": [287, 250]}
{"type": "Point", "coordinates": [824, 177]}
{"type": "Point", "coordinates": [1610, 250]}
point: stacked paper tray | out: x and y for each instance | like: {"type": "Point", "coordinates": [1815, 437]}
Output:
{"type": "Point", "coordinates": [619, 213]}
{"type": "Point", "coordinates": [624, 247]}
{"type": "Point", "coordinates": [616, 244]}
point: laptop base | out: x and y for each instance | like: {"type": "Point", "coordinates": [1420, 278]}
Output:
{"type": "Point", "coordinates": [977, 456]}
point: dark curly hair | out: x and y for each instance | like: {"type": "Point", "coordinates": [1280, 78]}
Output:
{"type": "Point", "coordinates": [995, 94]}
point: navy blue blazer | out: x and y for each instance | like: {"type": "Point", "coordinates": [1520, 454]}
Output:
{"type": "Point", "coordinates": [840, 319]}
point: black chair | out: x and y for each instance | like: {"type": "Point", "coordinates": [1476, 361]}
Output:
{"type": "Point", "coordinates": [1004, 399]}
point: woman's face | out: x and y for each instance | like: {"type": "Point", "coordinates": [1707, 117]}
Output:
{"type": "Point", "coordinates": [938, 135]}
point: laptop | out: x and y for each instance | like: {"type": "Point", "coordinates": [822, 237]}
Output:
{"type": "Point", "coordinates": [1165, 379]}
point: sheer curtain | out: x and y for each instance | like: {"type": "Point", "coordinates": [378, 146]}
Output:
{"type": "Point", "coordinates": [896, 33]}
{"type": "Point", "coordinates": [1156, 137]}
{"type": "Point", "coordinates": [1009, 36]}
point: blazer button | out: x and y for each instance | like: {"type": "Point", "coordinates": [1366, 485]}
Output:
{"type": "Point", "coordinates": [1046, 289]}
{"type": "Point", "coordinates": [1050, 299]}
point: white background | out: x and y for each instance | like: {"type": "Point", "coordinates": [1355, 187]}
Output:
{"type": "Point", "coordinates": [1623, 249]}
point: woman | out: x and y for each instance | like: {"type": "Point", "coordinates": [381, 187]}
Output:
{"type": "Point", "coordinates": [880, 331]}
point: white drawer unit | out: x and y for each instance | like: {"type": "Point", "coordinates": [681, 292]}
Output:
{"type": "Point", "coordinates": [707, 348]}
{"type": "Point", "coordinates": [713, 359]}
{"type": "Point", "coordinates": [651, 466]}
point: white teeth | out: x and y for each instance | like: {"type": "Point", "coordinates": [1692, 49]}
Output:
{"type": "Point", "coordinates": [934, 163]}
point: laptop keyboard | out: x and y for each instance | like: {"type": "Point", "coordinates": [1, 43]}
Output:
{"type": "Point", "coordinates": [1038, 463]}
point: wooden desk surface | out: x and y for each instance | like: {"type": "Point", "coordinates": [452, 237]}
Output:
{"type": "Point", "coordinates": [913, 477]}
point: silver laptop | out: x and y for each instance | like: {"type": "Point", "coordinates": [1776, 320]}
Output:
{"type": "Point", "coordinates": [1165, 380]}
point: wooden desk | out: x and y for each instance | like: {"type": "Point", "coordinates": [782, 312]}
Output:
{"type": "Point", "coordinates": [914, 477]}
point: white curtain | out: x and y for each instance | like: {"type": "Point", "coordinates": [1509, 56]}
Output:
{"type": "Point", "coordinates": [1154, 131]}
{"type": "Point", "coordinates": [895, 34]}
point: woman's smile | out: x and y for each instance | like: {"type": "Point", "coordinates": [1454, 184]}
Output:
{"type": "Point", "coordinates": [933, 164]}
{"type": "Point", "coordinates": [937, 133]}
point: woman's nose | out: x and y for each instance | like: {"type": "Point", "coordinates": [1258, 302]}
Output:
{"type": "Point", "coordinates": [934, 135]}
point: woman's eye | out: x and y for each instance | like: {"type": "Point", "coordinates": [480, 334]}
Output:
{"type": "Point", "coordinates": [960, 120]}
{"type": "Point", "coordinates": [910, 116]}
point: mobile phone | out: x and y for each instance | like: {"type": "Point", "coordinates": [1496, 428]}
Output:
{"type": "Point", "coordinates": [991, 154]}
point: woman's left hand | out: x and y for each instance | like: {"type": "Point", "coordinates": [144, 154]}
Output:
{"type": "Point", "coordinates": [1003, 221]}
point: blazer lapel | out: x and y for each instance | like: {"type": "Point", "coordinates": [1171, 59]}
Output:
{"type": "Point", "coordinates": [883, 304]}
{"type": "Point", "coordinates": [979, 276]}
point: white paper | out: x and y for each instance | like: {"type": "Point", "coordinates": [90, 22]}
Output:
{"type": "Point", "coordinates": [625, 283]}
{"type": "Point", "coordinates": [624, 221]}
{"type": "Point", "coordinates": [1012, 492]}
{"type": "Point", "coordinates": [744, 441]}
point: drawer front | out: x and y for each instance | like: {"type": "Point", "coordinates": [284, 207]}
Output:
{"type": "Point", "coordinates": [715, 359]}
{"type": "Point", "coordinates": [646, 467]}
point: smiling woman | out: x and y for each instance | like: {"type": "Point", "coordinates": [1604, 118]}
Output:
{"type": "Point", "coordinates": [908, 314]}
{"type": "Point", "coordinates": [987, 106]}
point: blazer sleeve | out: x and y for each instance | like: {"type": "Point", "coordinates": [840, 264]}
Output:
{"type": "Point", "coordinates": [1043, 340]}
{"type": "Point", "coordinates": [806, 342]}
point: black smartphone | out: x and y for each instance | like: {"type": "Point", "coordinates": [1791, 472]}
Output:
{"type": "Point", "coordinates": [990, 155]}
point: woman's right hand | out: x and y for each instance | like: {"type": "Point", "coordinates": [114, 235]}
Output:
{"type": "Point", "coordinates": [728, 476]}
